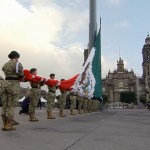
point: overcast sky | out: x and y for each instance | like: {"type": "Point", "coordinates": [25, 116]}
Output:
{"type": "Point", "coordinates": [52, 34]}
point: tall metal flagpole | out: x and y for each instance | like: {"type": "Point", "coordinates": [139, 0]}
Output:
{"type": "Point", "coordinates": [92, 24]}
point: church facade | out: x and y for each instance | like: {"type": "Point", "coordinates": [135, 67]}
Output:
{"type": "Point", "coordinates": [121, 80]}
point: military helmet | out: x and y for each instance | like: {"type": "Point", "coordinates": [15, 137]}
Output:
{"type": "Point", "coordinates": [13, 54]}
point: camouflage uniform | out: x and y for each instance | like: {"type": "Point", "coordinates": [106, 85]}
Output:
{"type": "Point", "coordinates": [62, 102]}
{"type": "Point", "coordinates": [73, 103]}
{"type": "Point", "coordinates": [10, 90]}
{"type": "Point", "coordinates": [34, 99]}
{"type": "Point", "coordinates": [85, 100]}
{"type": "Point", "coordinates": [1, 81]}
{"type": "Point", "coordinates": [95, 104]}
{"type": "Point", "coordinates": [80, 100]}
{"type": "Point", "coordinates": [93, 107]}
{"type": "Point", "coordinates": [89, 105]}
{"type": "Point", "coordinates": [98, 105]}
{"type": "Point", "coordinates": [51, 101]}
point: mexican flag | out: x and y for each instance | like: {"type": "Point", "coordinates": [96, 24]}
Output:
{"type": "Point", "coordinates": [88, 83]}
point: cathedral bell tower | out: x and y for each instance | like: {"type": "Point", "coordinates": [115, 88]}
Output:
{"type": "Point", "coordinates": [120, 65]}
{"type": "Point", "coordinates": [146, 57]}
{"type": "Point", "coordinates": [146, 66]}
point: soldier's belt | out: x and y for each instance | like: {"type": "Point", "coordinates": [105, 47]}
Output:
{"type": "Point", "coordinates": [35, 87]}
{"type": "Point", "coordinates": [52, 91]}
{"type": "Point", "coordinates": [11, 78]}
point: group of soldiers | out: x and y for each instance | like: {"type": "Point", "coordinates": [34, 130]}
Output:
{"type": "Point", "coordinates": [13, 71]}
{"type": "Point", "coordinates": [85, 105]}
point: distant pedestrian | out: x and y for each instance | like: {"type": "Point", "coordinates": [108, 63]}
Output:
{"type": "Point", "coordinates": [25, 106]}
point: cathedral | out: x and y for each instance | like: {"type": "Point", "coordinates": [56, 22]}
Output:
{"type": "Point", "coordinates": [121, 80]}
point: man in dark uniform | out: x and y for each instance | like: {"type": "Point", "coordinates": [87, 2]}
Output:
{"type": "Point", "coordinates": [25, 106]}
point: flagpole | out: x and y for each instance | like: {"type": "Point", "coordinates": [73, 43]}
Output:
{"type": "Point", "coordinates": [100, 59]}
{"type": "Point", "coordinates": [92, 24]}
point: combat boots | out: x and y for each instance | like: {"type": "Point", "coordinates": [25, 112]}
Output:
{"type": "Point", "coordinates": [61, 114]}
{"type": "Point", "coordinates": [89, 111]}
{"type": "Point", "coordinates": [32, 118]}
{"type": "Point", "coordinates": [4, 122]}
{"type": "Point", "coordinates": [13, 122]}
{"type": "Point", "coordinates": [72, 112]}
{"type": "Point", "coordinates": [85, 111]}
{"type": "Point", "coordinates": [7, 126]}
{"type": "Point", "coordinates": [80, 111]}
{"type": "Point", "coordinates": [49, 115]}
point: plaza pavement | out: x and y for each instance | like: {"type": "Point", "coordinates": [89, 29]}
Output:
{"type": "Point", "coordinates": [108, 130]}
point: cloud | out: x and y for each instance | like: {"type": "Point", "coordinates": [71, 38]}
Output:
{"type": "Point", "coordinates": [35, 34]}
{"type": "Point", "coordinates": [48, 36]}
{"type": "Point", "coordinates": [122, 24]}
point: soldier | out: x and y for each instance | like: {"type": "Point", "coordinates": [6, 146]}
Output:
{"type": "Point", "coordinates": [13, 71]}
{"type": "Point", "coordinates": [80, 100]}
{"type": "Point", "coordinates": [62, 101]}
{"type": "Point", "coordinates": [85, 100]}
{"type": "Point", "coordinates": [94, 104]}
{"type": "Point", "coordinates": [98, 105]}
{"type": "Point", "coordinates": [73, 101]}
{"type": "Point", "coordinates": [34, 96]}
{"type": "Point", "coordinates": [51, 98]}
{"type": "Point", "coordinates": [89, 105]}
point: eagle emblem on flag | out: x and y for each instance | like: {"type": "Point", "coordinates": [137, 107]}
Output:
{"type": "Point", "coordinates": [85, 82]}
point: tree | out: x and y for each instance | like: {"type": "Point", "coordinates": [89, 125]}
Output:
{"type": "Point", "coordinates": [143, 100]}
{"type": "Point", "coordinates": [128, 97]}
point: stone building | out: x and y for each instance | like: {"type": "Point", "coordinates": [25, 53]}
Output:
{"type": "Point", "coordinates": [123, 80]}
{"type": "Point", "coordinates": [118, 81]}
{"type": "Point", "coordinates": [146, 66]}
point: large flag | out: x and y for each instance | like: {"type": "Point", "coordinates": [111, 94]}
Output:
{"type": "Point", "coordinates": [37, 79]}
{"type": "Point", "coordinates": [63, 85]}
{"type": "Point", "coordinates": [67, 84]}
{"type": "Point", "coordinates": [88, 83]}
